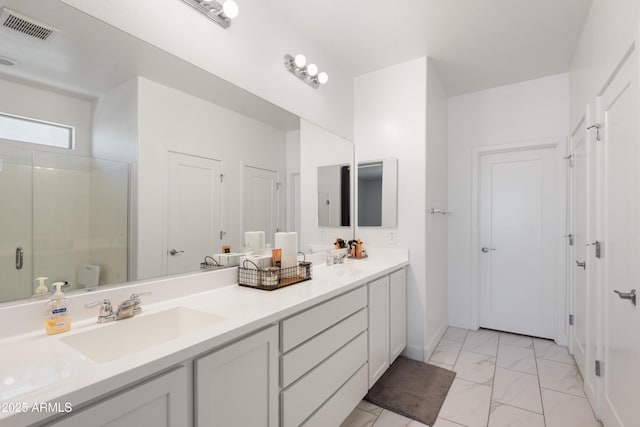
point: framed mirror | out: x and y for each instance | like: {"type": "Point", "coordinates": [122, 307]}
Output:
{"type": "Point", "coordinates": [378, 193]}
{"type": "Point", "coordinates": [168, 162]}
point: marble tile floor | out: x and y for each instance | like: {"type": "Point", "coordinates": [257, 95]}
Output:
{"type": "Point", "coordinates": [502, 380]}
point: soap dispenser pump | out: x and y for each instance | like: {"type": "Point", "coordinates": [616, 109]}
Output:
{"type": "Point", "coordinates": [57, 314]}
{"type": "Point", "coordinates": [41, 290]}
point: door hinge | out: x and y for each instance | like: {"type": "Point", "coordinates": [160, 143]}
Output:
{"type": "Point", "coordinates": [570, 158]}
{"type": "Point", "coordinates": [597, 127]}
{"type": "Point", "coordinates": [221, 177]}
{"type": "Point", "coordinates": [571, 238]}
{"type": "Point", "coordinates": [571, 320]}
{"type": "Point", "coordinates": [598, 247]}
{"type": "Point", "coordinates": [598, 369]}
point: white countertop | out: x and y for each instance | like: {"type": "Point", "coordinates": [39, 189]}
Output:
{"type": "Point", "coordinates": [38, 368]}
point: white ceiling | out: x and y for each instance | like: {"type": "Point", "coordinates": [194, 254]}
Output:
{"type": "Point", "coordinates": [88, 58]}
{"type": "Point", "coordinates": [476, 44]}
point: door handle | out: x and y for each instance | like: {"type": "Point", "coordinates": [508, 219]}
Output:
{"type": "Point", "coordinates": [174, 252]}
{"type": "Point", "coordinates": [628, 295]}
{"type": "Point", "coordinates": [19, 258]}
{"type": "Point", "coordinates": [486, 249]}
{"type": "Point", "coordinates": [582, 264]}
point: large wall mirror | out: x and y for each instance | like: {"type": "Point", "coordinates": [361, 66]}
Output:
{"type": "Point", "coordinates": [157, 163]}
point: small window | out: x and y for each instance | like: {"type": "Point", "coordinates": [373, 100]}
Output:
{"type": "Point", "coordinates": [35, 131]}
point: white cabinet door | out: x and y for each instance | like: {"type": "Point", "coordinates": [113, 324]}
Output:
{"type": "Point", "coordinates": [238, 385]}
{"type": "Point", "coordinates": [163, 401]}
{"type": "Point", "coordinates": [378, 328]}
{"type": "Point", "coordinates": [397, 314]}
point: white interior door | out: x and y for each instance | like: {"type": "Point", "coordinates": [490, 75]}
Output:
{"type": "Point", "coordinates": [195, 211]}
{"type": "Point", "coordinates": [583, 260]}
{"type": "Point", "coordinates": [517, 212]}
{"type": "Point", "coordinates": [260, 202]}
{"type": "Point", "coordinates": [296, 207]}
{"type": "Point", "coordinates": [621, 247]}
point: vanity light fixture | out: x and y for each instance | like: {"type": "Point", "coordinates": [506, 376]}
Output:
{"type": "Point", "coordinates": [219, 11]}
{"type": "Point", "coordinates": [297, 65]}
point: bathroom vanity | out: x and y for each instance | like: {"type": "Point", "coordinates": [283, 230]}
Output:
{"type": "Point", "coordinates": [301, 355]}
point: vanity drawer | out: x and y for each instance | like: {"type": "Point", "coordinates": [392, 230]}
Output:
{"type": "Point", "coordinates": [302, 399]}
{"type": "Point", "coordinates": [339, 406]}
{"type": "Point", "coordinates": [301, 327]}
{"type": "Point", "coordinates": [306, 356]}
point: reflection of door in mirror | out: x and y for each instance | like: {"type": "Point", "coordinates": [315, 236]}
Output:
{"type": "Point", "coordinates": [377, 193]}
{"type": "Point", "coordinates": [370, 194]}
{"type": "Point", "coordinates": [15, 224]}
{"type": "Point", "coordinates": [260, 201]}
{"type": "Point", "coordinates": [296, 208]}
{"type": "Point", "coordinates": [194, 226]}
{"type": "Point", "coordinates": [334, 195]}
{"type": "Point", "coordinates": [67, 214]}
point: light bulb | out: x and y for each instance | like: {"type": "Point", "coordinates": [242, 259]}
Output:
{"type": "Point", "coordinates": [300, 60]}
{"type": "Point", "coordinates": [230, 9]}
{"type": "Point", "coordinates": [323, 77]}
{"type": "Point", "coordinates": [312, 69]}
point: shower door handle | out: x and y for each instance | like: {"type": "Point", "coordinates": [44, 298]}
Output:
{"type": "Point", "coordinates": [19, 258]}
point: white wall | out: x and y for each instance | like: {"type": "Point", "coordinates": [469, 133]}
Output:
{"type": "Point", "coordinates": [249, 54]}
{"type": "Point", "coordinates": [390, 121]}
{"type": "Point", "coordinates": [170, 120]}
{"type": "Point", "coordinates": [108, 219]}
{"type": "Point", "coordinates": [115, 137]}
{"type": "Point", "coordinates": [436, 197]}
{"type": "Point", "coordinates": [524, 111]}
{"type": "Point", "coordinates": [608, 33]}
{"type": "Point", "coordinates": [319, 147]}
{"type": "Point", "coordinates": [42, 104]}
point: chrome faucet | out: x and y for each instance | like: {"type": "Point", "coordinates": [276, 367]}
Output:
{"type": "Point", "coordinates": [128, 308]}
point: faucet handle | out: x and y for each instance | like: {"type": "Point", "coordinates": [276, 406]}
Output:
{"type": "Point", "coordinates": [106, 310]}
{"type": "Point", "coordinates": [135, 299]}
{"type": "Point", "coordinates": [103, 302]}
{"type": "Point", "coordinates": [136, 296]}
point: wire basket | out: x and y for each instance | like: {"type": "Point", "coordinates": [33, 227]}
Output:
{"type": "Point", "coordinates": [211, 264]}
{"type": "Point", "coordinates": [271, 278]}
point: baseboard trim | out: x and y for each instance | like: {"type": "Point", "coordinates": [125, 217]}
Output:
{"type": "Point", "coordinates": [431, 345]}
{"type": "Point", "coordinates": [413, 352]}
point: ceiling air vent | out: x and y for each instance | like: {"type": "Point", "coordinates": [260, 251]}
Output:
{"type": "Point", "coordinates": [26, 25]}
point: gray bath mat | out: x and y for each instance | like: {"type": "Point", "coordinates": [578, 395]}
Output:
{"type": "Point", "coordinates": [413, 389]}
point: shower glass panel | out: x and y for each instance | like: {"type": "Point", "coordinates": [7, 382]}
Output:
{"type": "Point", "coordinates": [73, 217]}
{"type": "Point", "coordinates": [15, 224]}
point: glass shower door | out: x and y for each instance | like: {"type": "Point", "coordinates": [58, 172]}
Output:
{"type": "Point", "coordinates": [15, 223]}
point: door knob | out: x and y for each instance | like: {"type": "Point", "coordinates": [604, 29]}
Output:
{"type": "Point", "coordinates": [582, 264]}
{"type": "Point", "coordinates": [628, 295]}
{"type": "Point", "coordinates": [174, 252]}
{"type": "Point", "coordinates": [486, 249]}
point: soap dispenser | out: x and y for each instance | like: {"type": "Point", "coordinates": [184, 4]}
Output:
{"type": "Point", "coordinates": [41, 290]}
{"type": "Point", "coordinates": [57, 314]}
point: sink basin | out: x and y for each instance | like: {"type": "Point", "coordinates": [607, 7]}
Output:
{"type": "Point", "coordinates": [123, 337]}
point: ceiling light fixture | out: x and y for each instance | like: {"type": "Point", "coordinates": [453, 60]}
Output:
{"type": "Point", "coordinates": [219, 11]}
{"type": "Point", "coordinates": [308, 73]}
